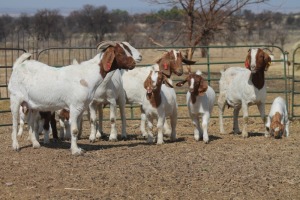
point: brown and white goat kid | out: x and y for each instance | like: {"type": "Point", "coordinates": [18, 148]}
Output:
{"type": "Point", "coordinates": [159, 102]}
{"type": "Point", "coordinates": [243, 87]}
{"type": "Point", "coordinates": [277, 122]}
{"type": "Point", "coordinates": [200, 101]}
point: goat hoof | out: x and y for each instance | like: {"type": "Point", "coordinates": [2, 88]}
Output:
{"type": "Point", "coordinates": [36, 145]}
{"type": "Point", "coordinates": [78, 152]}
{"type": "Point", "coordinates": [113, 139]}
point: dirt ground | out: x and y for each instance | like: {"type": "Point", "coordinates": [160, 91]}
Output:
{"type": "Point", "coordinates": [229, 167]}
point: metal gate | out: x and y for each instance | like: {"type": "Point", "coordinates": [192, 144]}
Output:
{"type": "Point", "coordinates": [296, 83]}
{"type": "Point", "coordinates": [217, 58]}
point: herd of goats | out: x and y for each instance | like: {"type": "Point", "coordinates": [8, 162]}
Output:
{"type": "Point", "coordinates": [38, 91]}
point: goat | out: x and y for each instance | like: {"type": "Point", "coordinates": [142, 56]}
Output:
{"type": "Point", "coordinates": [243, 87]}
{"type": "Point", "coordinates": [170, 62]}
{"type": "Point", "coordinates": [277, 121]}
{"type": "Point", "coordinates": [200, 101]}
{"type": "Point", "coordinates": [46, 88]}
{"type": "Point", "coordinates": [159, 102]}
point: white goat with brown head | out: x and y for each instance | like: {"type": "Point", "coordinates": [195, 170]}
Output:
{"type": "Point", "coordinates": [243, 87]}
{"type": "Point", "coordinates": [46, 88]}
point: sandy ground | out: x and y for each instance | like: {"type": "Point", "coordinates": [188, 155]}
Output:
{"type": "Point", "coordinates": [229, 167]}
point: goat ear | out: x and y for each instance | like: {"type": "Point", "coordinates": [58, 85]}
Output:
{"type": "Point", "coordinates": [181, 83]}
{"type": "Point", "coordinates": [202, 87]}
{"type": "Point", "coordinates": [147, 82]}
{"type": "Point", "coordinates": [188, 62]}
{"type": "Point", "coordinates": [247, 62]}
{"type": "Point", "coordinates": [107, 59]}
{"type": "Point", "coordinates": [167, 83]}
{"type": "Point", "coordinates": [267, 60]}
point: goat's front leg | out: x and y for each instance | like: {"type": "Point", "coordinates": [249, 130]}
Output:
{"type": "Point", "coordinates": [205, 121]}
{"type": "Point", "coordinates": [167, 130]}
{"type": "Point", "coordinates": [261, 108]}
{"type": "Point", "coordinates": [113, 131]}
{"type": "Point", "coordinates": [173, 120]}
{"type": "Point", "coordinates": [122, 103]}
{"type": "Point", "coordinates": [143, 124]}
{"type": "Point", "coordinates": [236, 129]}
{"type": "Point", "coordinates": [160, 136]}
{"type": "Point", "coordinates": [245, 118]}
{"type": "Point", "coordinates": [287, 128]}
{"type": "Point", "coordinates": [93, 121]}
{"type": "Point", "coordinates": [197, 129]}
{"type": "Point", "coordinates": [74, 115]}
{"type": "Point", "coordinates": [33, 129]}
{"type": "Point", "coordinates": [150, 129]}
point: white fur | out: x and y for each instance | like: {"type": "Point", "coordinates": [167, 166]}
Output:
{"type": "Point", "coordinates": [279, 105]}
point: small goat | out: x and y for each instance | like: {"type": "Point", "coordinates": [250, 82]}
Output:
{"type": "Point", "coordinates": [170, 62]}
{"type": "Point", "coordinates": [159, 102]}
{"type": "Point", "coordinates": [46, 88]}
{"type": "Point", "coordinates": [277, 122]}
{"type": "Point", "coordinates": [243, 87]}
{"type": "Point", "coordinates": [200, 101]}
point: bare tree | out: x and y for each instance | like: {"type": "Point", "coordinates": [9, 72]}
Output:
{"type": "Point", "coordinates": [205, 18]}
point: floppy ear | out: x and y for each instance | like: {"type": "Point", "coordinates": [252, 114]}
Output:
{"type": "Point", "coordinates": [147, 82]}
{"type": "Point", "coordinates": [202, 87]}
{"type": "Point", "coordinates": [247, 62]}
{"type": "Point", "coordinates": [188, 62]}
{"type": "Point", "coordinates": [166, 82]}
{"type": "Point", "coordinates": [107, 59]}
{"type": "Point", "coordinates": [267, 60]}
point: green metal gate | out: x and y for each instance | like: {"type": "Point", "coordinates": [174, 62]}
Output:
{"type": "Point", "coordinates": [218, 57]}
{"type": "Point", "coordinates": [296, 83]}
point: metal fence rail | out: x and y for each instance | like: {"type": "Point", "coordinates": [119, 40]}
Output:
{"type": "Point", "coordinates": [296, 84]}
{"type": "Point", "coordinates": [217, 58]}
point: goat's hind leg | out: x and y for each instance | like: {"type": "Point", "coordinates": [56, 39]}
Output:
{"type": "Point", "coordinates": [236, 129]}
{"type": "Point", "coordinates": [221, 106]}
{"type": "Point", "coordinates": [14, 106]}
{"type": "Point", "coordinates": [261, 108]}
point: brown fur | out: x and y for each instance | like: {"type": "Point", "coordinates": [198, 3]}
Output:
{"type": "Point", "coordinates": [276, 123]}
{"type": "Point", "coordinates": [200, 85]}
{"type": "Point", "coordinates": [263, 61]}
{"type": "Point", "coordinates": [114, 58]}
{"type": "Point", "coordinates": [168, 64]}
{"type": "Point", "coordinates": [153, 93]}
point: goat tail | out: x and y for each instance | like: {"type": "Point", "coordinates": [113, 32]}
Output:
{"type": "Point", "coordinates": [22, 58]}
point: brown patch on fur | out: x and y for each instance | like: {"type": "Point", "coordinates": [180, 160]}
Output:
{"type": "Point", "coordinates": [84, 83]}
{"type": "Point", "coordinates": [115, 58]}
{"type": "Point", "coordinates": [276, 124]}
{"type": "Point", "coordinates": [200, 85]}
{"type": "Point", "coordinates": [153, 93]}
{"type": "Point", "coordinates": [64, 114]}
{"type": "Point", "coordinates": [263, 61]}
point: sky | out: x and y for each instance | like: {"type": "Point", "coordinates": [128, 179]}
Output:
{"type": "Point", "coordinates": [15, 7]}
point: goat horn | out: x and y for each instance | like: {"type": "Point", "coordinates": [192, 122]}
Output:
{"type": "Point", "coordinates": [105, 44]}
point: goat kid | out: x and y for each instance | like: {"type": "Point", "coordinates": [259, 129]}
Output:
{"type": "Point", "coordinates": [200, 101]}
{"type": "Point", "coordinates": [40, 86]}
{"type": "Point", "coordinates": [159, 102]}
{"type": "Point", "coordinates": [277, 121]}
{"type": "Point", "coordinates": [243, 87]}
